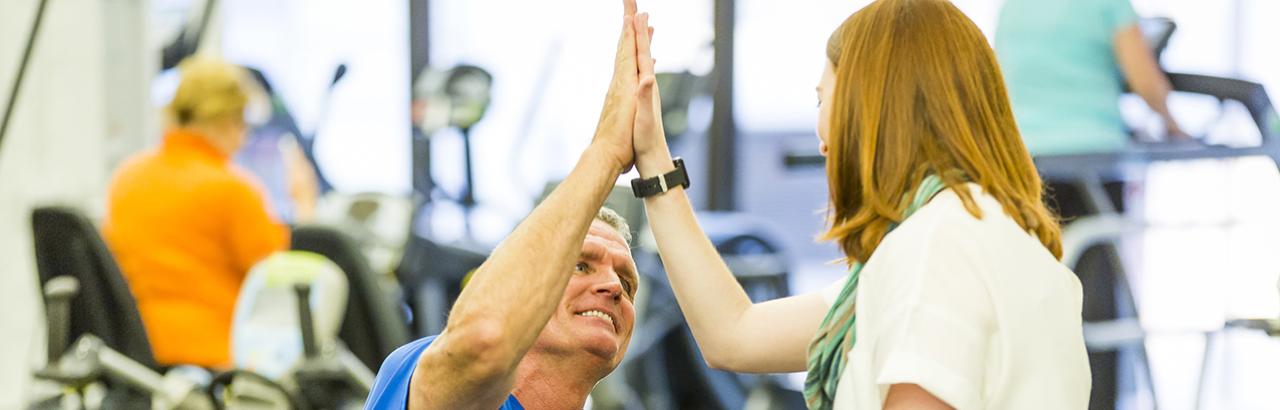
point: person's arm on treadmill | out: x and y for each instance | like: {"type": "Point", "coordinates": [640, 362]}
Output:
{"type": "Point", "coordinates": [508, 301]}
{"type": "Point", "coordinates": [733, 333]}
{"type": "Point", "coordinates": [1144, 76]}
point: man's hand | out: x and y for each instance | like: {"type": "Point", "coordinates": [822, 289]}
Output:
{"type": "Point", "coordinates": [652, 156]}
{"type": "Point", "coordinates": [613, 133]}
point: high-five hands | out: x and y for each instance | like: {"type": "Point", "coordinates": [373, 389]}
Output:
{"type": "Point", "coordinates": [617, 119]}
{"type": "Point", "coordinates": [652, 156]}
{"type": "Point", "coordinates": [630, 127]}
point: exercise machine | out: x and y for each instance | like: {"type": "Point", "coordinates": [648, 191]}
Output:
{"type": "Point", "coordinates": [90, 363]}
{"type": "Point", "coordinates": [285, 339]}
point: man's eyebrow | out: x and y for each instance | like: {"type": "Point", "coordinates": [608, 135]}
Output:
{"type": "Point", "coordinates": [591, 252]}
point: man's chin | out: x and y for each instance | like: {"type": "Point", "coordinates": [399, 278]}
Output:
{"type": "Point", "coordinates": [601, 346]}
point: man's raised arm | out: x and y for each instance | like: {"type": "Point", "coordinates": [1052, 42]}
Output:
{"type": "Point", "coordinates": [512, 295]}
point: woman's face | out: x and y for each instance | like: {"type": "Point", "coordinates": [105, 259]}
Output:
{"type": "Point", "coordinates": [826, 89]}
{"type": "Point", "coordinates": [229, 134]}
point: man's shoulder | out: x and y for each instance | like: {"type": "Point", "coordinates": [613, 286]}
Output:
{"type": "Point", "coordinates": [391, 387]}
{"type": "Point", "coordinates": [405, 356]}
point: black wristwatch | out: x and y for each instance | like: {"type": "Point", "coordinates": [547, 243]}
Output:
{"type": "Point", "coordinates": [647, 187]}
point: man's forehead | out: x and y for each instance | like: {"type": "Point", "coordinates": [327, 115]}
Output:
{"type": "Point", "coordinates": [604, 231]}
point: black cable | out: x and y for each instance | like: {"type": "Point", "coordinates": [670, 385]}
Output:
{"type": "Point", "coordinates": [22, 70]}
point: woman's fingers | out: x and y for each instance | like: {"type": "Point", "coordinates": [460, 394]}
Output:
{"type": "Point", "coordinates": [628, 7]}
{"type": "Point", "coordinates": [643, 44]}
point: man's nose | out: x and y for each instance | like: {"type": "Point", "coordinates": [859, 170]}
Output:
{"type": "Point", "coordinates": [611, 288]}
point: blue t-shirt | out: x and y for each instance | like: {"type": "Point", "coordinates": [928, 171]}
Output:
{"type": "Point", "coordinates": [391, 388]}
{"type": "Point", "coordinates": [1059, 62]}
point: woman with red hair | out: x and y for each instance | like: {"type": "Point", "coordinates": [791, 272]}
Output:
{"type": "Point", "coordinates": [955, 297]}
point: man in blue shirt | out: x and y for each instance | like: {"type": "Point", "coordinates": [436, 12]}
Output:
{"type": "Point", "coordinates": [550, 312]}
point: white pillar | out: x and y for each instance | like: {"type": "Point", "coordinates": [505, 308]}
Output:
{"type": "Point", "coordinates": [85, 86]}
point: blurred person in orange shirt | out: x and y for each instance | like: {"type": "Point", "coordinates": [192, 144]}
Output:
{"type": "Point", "coordinates": [186, 224]}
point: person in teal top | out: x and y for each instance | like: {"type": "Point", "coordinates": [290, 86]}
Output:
{"type": "Point", "coordinates": [1066, 63]}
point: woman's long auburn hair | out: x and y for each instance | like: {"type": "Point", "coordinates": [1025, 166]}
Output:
{"type": "Point", "coordinates": [918, 92]}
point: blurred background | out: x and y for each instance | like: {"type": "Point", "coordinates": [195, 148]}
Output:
{"type": "Point", "coordinates": [427, 129]}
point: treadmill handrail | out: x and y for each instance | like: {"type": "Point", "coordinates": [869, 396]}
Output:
{"type": "Point", "coordinates": [1252, 95]}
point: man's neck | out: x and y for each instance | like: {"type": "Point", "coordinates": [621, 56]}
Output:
{"type": "Point", "coordinates": [553, 383]}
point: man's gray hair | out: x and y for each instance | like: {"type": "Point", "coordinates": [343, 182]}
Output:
{"type": "Point", "coordinates": [615, 221]}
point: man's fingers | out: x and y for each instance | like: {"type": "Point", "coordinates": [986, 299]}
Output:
{"type": "Point", "coordinates": [628, 33]}
{"type": "Point", "coordinates": [624, 62]}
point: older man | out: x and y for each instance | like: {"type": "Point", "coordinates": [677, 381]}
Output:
{"type": "Point", "coordinates": [550, 313]}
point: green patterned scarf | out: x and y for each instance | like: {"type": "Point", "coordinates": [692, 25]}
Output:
{"type": "Point", "coordinates": [837, 334]}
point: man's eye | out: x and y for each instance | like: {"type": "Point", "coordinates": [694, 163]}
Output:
{"type": "Point", "coordinates": [627, 287]}
{"type": "Point", "coordinates": [581, 267]}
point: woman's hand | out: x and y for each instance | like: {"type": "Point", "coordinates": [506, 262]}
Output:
{"type": "Point", "coordinates": [652, 156]}
{"type": "Point", "coordinates": [617, 119]}
{"type": "Point", "coordinates": [1173, 132]}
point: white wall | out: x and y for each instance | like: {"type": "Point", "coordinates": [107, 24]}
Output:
{"type": "Point", "coordinates": [54, 153]}
{"type": "Point", "coordinates": [363, 142]}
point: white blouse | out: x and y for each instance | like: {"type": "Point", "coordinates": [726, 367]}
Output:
{"type": "Point", "coordinates": [975, 311]}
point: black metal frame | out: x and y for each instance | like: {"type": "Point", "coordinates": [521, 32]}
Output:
{"type": "Point", "coordinates": [722, 138]}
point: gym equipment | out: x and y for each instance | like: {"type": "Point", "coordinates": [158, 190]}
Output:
{"type": "Point", "coordinates": [377, 223]}
{"type": "Point", "coordinates": [679, 90]}
{"type": "Point", "coordinates": [90, 361]}
{"type": "Point", "coordinates": [431, 275]}
{"type": "Point", "coordinates": [431, 272]}
{"type": "Point", "coordinates": [285, 332]}
{"type": "Point", "coordinates": [90, 302]}
{"type": "Point", "coordinates": [458, 97]}
{"type": "Point", "coordinates": [1111, 322]}
{"type": "Point", "coordinates": [373, 325]}
{"type": "Point", "coordinates": [189, 38]}
{"type": "Point", "coordinates": [1157, 31]}
{"type": "Point", "coordinates": [264, 335]}
{"type": "Point", "coordinates": [67, 244]}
